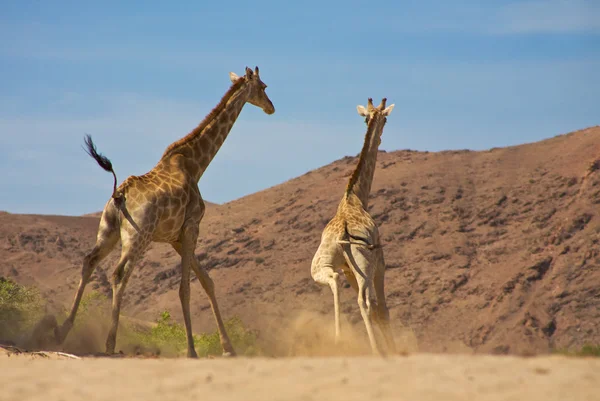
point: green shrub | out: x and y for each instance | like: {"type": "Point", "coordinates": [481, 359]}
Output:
{"type": "Point", "coordinates": [167, 336]}
{"type": "Point", "coordinates": [242, 340]}
{"type": "Point", "coordinates": [170, 338]}
{"type": "Point", "coordinates": [586, 350]}
{"type": "Point", "coordinates": [20, 308]}
{"type": "Point", "coordinates": [91, 301]}
{"type": "Point", "coordinates": [590, 350]}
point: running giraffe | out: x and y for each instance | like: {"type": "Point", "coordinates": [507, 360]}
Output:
{"type": "Point", "coordinates": [350, 241]}
{"type": "Point", "coordinates": [165, 205]}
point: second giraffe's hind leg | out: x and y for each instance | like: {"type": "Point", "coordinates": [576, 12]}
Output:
{"type": "Point", "coordinates": [326, 276]}
{"type": "Point", "coordinates": [382, 313]}
{"type": "Point", "coordinates": [379, 313]}
{"type": "Point", "coordinates": [359, 259]}
{"type": "Point", "coordinates": [323, 272]}
{"type": "Point", "coordinates": [350, 278]}
{"type": "Point", "coordinates": [108, 235]}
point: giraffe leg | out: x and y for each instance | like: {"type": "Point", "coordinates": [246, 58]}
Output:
{"type": "Point", "coordinates": [108, 236]}
{"type": "Point", "coordinates": [373, 313]}
{"type": "Point", "coordinates": [359, 260]}
{"type": "Point", "coordinates": [351, 279]}
{"type": "Point", "coordinates": [382, 313]}
{"type": "Point", "coordinates": [323, 272]}
{"type": "Point", "coordinates": [129, 257]}
{"type": "Point", "coordinates": [184, 297]}
{"type": "Point", "coordinates": [209, 287]}
{"type": "Point", "coordinates": [326, 276]}
{"type": "Point", "coordinates": [333, 284]}
{"type": "Point", "coordinates": [186, 250]}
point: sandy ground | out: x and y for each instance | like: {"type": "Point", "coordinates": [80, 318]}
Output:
{"type": "Point", "coordinates": [415, 377]}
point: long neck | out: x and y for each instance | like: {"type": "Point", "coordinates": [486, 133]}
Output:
{"type": "Point", "coordinates": [201, 145]}
{"type": "Point", "coordinates": [362, 177]}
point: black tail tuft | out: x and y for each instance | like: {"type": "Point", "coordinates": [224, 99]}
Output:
{"type": "Point", "coordinates": [102, 160]}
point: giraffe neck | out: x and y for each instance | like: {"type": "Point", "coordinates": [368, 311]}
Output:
{"type": "Point", "coordinates": [201, 145]}
{"type": "Point", "coordinates": [362, 177]}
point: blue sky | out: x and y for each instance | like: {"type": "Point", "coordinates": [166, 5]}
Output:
{"type": "Point", "coordinates": [140, 75]}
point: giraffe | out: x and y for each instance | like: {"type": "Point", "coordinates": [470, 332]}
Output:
{"type": "Point", "coordinates": [165, 205]}
{"type": "Point", "coordinates": [350, 241]}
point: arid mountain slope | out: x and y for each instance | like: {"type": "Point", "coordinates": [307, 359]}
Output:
{"type": "Point", "coordinates": [494, 251]}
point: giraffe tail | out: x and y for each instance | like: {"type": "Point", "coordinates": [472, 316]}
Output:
{"type": "Point", "coordinates": [106, 164]}
{"type": "Point", "coordinates": [361, 240]}
{"type": "Point", "coordinates": [103, 161]}
{"type": "Point", "coordinates": [355, 237]}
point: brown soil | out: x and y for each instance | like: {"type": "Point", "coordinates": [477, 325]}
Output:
{"type": "Point", "coordinates": [416, 378]}
{"type": "Point", "coordinates": [493, 251]}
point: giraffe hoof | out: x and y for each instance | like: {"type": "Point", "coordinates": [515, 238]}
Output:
{"type": "Point", "coordinates": [60, 332]}
{"type": "Point", "coordinates": [229, 354]}
{"type": "Point", "coordinates": [101, 354]}
{"type": "Point", "coordinates": [40, 335]}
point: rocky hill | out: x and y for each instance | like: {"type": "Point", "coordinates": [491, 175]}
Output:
{"type": "Point", "coordinates": [491, 251]}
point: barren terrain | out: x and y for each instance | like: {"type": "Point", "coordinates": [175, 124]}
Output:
{"type": "Point", "coordinates": [491, 252]}
{"type": "Point", "coordinates": [416, 378]}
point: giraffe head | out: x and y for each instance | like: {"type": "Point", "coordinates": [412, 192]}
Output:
{"type": "Point", "coordinates": [375, 113]}
{"type": "Point", "coordinates": [375, 117]}
{"type": "Point", "coordinates": [258, 96]}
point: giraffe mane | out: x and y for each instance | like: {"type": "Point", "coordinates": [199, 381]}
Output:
{"type": "Point", "coordinates": [209, 117]}
{"type": "Point", "coordinates": [362, 157]}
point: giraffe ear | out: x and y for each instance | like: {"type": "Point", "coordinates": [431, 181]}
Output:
{"type": "Point", "coordinates": [362, 111]}
{"type": "Point", "coordinates": [233, 76]}
{"type": "Point", "coordinates": [388, 110]}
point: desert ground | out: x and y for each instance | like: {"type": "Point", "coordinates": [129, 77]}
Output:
{"type": "Point", "coordinates": [415, 377]}
{"type": "Point", "coordinates": [492, 267]}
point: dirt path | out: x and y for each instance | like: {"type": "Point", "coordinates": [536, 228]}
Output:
{"type": "Point", "coordinates": [416, 377]}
